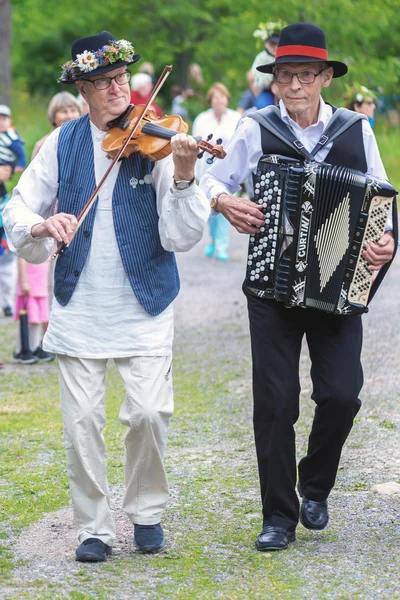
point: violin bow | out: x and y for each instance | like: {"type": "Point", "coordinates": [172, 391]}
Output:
{"type": "Point", "coordinates": [85, 210]}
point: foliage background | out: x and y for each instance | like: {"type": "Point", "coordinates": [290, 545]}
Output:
{"type": "Point", "coordinates": [217, 34]}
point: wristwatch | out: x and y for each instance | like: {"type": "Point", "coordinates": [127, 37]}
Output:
{"type": "Point", "coordinates": [214, 201]}
{"type": "Point", "coordinates": [183, 184]}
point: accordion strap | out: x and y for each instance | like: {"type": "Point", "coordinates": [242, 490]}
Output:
{"type": "Point", "coordinates": [269, 118]}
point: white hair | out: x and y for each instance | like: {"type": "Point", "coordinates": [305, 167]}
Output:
{"type": "Point", "coordinates": [139, 80]}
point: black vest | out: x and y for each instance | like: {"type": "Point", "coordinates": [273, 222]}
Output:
{"type": "Point", "coordinates": [347, 149]}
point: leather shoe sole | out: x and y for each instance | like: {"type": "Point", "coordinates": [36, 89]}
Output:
{"type": "Point", "coordinates": [93, 550]}
{"type": "Point", "coordinates": [274, 538]}
{"type": "Point", "coordinates": [314, 515]}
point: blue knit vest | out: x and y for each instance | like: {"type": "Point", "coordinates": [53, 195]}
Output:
{"type": "Point", "coordinates": [151, 270]}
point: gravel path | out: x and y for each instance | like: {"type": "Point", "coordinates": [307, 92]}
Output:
{"type": "Point", "coordinates": [356, 557]}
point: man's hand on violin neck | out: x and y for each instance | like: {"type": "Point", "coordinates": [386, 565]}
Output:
{"type": "Point", "coordinates": [61, 227]}
{"type": "Point", "coordinates": [243, 214]}
{"type": "Point", "coordinates": [184, 154]}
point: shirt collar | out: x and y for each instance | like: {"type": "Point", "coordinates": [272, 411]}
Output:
{"type": "Point", "coordinates": [97, 133]}
{"type": "Point", "coordinates": [324, 115]}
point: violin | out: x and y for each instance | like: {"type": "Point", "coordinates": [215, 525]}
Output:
{"type": "Point", "coordinates": [152, 135]}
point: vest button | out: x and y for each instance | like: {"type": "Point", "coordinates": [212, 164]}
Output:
{"type": "Point", "coordinates": [86, 233]}
{"type": "Point", "coordinates": [76, 273]}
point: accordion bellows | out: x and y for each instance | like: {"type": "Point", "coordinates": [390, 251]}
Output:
{"type": "Point", "coordinates": [318, 218]}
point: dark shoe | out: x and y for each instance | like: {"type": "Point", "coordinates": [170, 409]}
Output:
{"type": "Point", "coordinates": [314, 515]}
{"type": "Point", "coordinates": [93, 550]}
{"type": "Point", "coordinates": [274, 538]}
{"type": "Point", "coordinates": [149, 538]}
{"type": "Point", "coordinates": [42, 355]}
{"type": "Point", "coordinates": [25, 357]}
{"type": "Point", "coordinates": [7, 311]}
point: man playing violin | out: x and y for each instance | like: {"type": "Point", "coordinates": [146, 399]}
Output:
{"type": "Point", "coordinates": [114, 288]}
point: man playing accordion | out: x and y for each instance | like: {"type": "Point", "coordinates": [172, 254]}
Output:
{"type": "Point", "coordinates": [301, 69]}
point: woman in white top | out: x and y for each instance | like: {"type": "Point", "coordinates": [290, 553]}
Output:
{"type": "Point", "coordinates": [221, 121]}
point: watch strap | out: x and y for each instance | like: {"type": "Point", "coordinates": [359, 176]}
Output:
{"type": "Point", "coordinates": [188, 181]}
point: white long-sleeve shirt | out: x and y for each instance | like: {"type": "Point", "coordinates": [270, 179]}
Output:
{"type": "Point", "coordinates": [103, 318]}
{"type": "Point", "coordinates": [244, 151]}
{"type": "Point", "coordinates": [224, 128]}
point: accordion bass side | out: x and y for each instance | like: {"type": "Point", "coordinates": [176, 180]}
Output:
{"type": "Point", "coordinates": [318, 218]}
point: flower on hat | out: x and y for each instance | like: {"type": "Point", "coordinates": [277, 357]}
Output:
{"type": "Point", "coordinates": [359, 93]}
{"type": "Point", "coordinates": [89, 60]}
{"type": "Point", "coordinates": [265, 30]}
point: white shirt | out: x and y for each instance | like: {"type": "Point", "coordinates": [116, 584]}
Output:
{"type": "Point", "coordinates": [103, 318]}
{"type": "Point", "coordinates": [244, 151]}
{"type": "Point", "coordinates": [206, 123]}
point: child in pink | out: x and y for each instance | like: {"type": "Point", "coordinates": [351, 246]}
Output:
{"type": "Point", "coordinates": [32, 295]}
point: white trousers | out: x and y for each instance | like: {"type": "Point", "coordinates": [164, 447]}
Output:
{"type": "Point", "coordinates": [146, 412]}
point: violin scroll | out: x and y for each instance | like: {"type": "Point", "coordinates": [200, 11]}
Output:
{"type": "Point", "coordinates": [216, 151]}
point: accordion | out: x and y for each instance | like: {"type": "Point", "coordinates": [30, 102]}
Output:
{"type": "Point", "coordinates": [318, 218]}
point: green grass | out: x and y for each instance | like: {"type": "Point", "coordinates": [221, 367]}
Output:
{"type": "Point", "coordinates": [214, 513]}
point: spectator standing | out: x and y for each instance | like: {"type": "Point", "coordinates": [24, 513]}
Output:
{"type": "Point", "coordinates": [5, 174]}
{"type": "Point", "coordinates": [8, 277]}
{"type": "Point", "coordinates": [141, 86]}
{"type": "Point", "coordinates": [221, 121]}
{"type": "Point", "coordinates": [12, 158]}
{"type": "Point", "coordinates": [179, 96]}
{"type": "Point", "coordinates": [362, 100]}
{"type": "Point", "coordinates": [12, 152]}
{"type": "Point", "coordinates": [62, 108]}
{"type": "Point", "coordinates": [269, 34]}
{"type": "Point", "coordinates": [249, 96]}
{"type": "Point", "coordinates": [32, 296]}
{"type": "Point", "coordinates": [148, 67]}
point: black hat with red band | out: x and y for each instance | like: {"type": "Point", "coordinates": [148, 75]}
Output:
{"type": "Point", "coordinates": [303, 43]}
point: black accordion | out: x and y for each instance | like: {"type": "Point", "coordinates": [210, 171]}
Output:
{"type": "Point", "coordinates": [318, 218]}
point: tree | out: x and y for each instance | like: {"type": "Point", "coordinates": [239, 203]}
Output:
{"type": "Point", "coordinates": [217, 34]}
{"type": "Point", "coordinates": [5, 41]}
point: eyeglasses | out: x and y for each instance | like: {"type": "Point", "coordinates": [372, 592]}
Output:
{"type": "Point", "coordinates": [104, 82]}
{"type": "Point", "coordinates": [302, 77]}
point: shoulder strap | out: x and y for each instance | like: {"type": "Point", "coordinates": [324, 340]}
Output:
{"type": "Point", "coordinates": [270, 119]}
{"type": "Point", "coordinates": [341, 120]}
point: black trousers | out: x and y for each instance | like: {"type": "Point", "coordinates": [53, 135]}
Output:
{"type": "Point", "coordinates": [335, 347]}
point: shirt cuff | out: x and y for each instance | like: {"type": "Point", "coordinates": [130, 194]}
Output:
{"type": "Point", "coordinates": [183, 193]}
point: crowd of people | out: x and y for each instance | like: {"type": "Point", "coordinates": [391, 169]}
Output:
{"type": "Point", "coordinates": [118, 305]}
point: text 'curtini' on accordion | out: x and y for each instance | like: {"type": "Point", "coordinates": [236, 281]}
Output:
{"type": "Point", "coordinates": [318, 218]}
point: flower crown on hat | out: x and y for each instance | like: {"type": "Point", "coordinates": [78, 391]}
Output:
{"type": "Point", "coordinates": [358, 93]}
{"type": "Point", "coordinates": [265, 30]}
{"type": "Point", "coordinates": [90, 60]}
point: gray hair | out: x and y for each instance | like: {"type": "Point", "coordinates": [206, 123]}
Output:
{"type": "Point", "coordinates": [59, 102]}
{"type": "Point", "coordinates": [139, 80]}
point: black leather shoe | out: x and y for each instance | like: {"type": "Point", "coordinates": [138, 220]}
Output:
{"type": "Point", "coordinates": [93, 550]}
{"type": "Point", "coordinates": [274, 538]}
{"type": "Point", "coordinates": [314, 515]}
{"type": "Point", "coordinates": [149, 538]}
